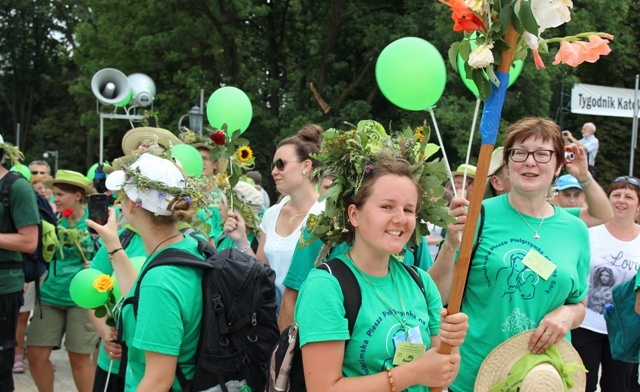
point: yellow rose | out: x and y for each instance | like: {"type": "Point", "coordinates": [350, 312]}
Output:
{"type": "Point", "coordinates": [103, 283]}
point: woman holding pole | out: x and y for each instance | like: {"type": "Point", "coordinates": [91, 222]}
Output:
{"type": "Point", "coordinates": [528, 271]}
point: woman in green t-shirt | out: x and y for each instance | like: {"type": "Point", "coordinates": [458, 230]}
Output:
{"type": "Point", "coordinates": [394, 321]}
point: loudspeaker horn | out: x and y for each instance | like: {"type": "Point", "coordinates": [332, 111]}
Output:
{"type": "Point", "coordinates": [143, 89]}
{"type": "Point", "coordinates": [110, 86]}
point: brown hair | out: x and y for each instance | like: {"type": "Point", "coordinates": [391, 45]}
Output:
{"type": "Point", "coordinates": [180, 211]}
{"type": "Point", "coordinates": [623, 183]}
{"type": "Point", "coordinates": [385, 164]}
{"type": "Point", "coordinates": [532, 127]}
{"type": "Point", "coordinates": [38, 178]}
{"type": "Point", "coordinates": [307, 141]}
{"type": "Point", "coordinates": [68, 188]}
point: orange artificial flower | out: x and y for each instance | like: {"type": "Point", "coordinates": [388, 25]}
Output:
{"type": "Point", "coordinates": [575, 53]}
{"type": "Point", "coordinates": [463, 17]}
{"type": "Point", "coordinates": [537, 60]}
{"type": "Point", "coordinates": [103, 283]}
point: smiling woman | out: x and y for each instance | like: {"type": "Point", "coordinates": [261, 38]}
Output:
{"type": "Point", "coordinates": [528, 271]}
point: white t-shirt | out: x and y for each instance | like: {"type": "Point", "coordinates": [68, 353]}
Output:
{"type": "Point", "coordinates": [278, 249]}
{"type": "Point", "coordinates": [612, 262]}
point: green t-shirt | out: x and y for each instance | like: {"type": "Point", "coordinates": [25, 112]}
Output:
{"type": "Point", "coordinates": [212, 220]}
{"type": "Point", "coordinates": [55, 289]}
{"type": "Point", "coordinates": [503, 297]}
{"type": "Point", "coordinates": [636, 287]}
{"type": "Point", "coordinates": [371, 346]}
{"type": "Point", "coordinates": [304, 259]}
{"type": "Point", "coordinates": [24, 212]}
{"type": "Point", "coordinates": [101, 262]}
{"type": "Point", "coordinates": [169, 313]}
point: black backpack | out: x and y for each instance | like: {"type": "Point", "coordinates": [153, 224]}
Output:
{"type": "Point", "coordinates": [34, 265]}
{"type": "Point", "coordinates": [239, 323]}
{"type": "Point", "coordinates": [286, 372]}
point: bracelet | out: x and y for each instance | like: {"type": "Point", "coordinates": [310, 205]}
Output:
{"type": "Point", "coordinates": [245, 249]}
{"type": "Point", "coordinates": [113, 252]}
{"type": "Point", "coordinates": [585, 183]}
{"type": "Point", "coordinates": [393, 388]}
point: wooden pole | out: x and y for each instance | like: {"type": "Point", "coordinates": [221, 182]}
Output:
{"type": "Point", "coordinates": [482, 171]}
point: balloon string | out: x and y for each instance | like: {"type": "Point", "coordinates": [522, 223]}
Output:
{"type": "Point", "coordinates": [444, 153]}
{"type": "Point", "coordinates": [473, 129]}
{"type": "Point", "coordinates": [106, 384]}
{"type": "Point", "coordinates": [231, 175]}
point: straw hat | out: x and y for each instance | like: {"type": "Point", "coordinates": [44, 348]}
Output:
{"type": "Point", "coordinates": [495, 164]}
{"type": "Point", "coordinates": [134, 137]}
{"type": "Point", "coordinates": [71, 177]}
{"type": "Point", "coordinates": [470, 169]}
{"type": "Point", "coordinates": [542, 377]}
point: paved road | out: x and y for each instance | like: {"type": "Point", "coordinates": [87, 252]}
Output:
{"type": "Point", "coordinates": [63, 378]}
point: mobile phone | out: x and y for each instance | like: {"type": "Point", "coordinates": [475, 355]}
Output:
{"type": "Point", "coordinates": [98, 209]}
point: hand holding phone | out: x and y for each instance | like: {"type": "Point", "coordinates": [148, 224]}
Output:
{"type": "Point", "coordinates": [98, 209]}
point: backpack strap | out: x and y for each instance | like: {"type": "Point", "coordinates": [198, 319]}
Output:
{"type": "Point", "coordinates": [350, 288]}
{"type": "Point", "coordinates": [126, 236]}
{"type": "Point", "coordinates": [5, 195]}
{"type": "Point", "coordinates": [413, 272]}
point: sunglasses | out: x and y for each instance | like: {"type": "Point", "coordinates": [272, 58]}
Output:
{"type": "Point", "coordinates": [630, 180]}
{"type": "Point", "coordinates": [280, 164]}
{"type": "Point", "coordinates": [35, 172]}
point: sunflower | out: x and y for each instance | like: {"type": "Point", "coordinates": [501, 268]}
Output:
{"type": "Point", "coordinates": [244, 154]}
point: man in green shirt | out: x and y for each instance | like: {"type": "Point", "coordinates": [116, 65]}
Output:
{"type": "Point", "coordinates": [18, 234]}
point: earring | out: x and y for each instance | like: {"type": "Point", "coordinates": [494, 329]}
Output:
{"type": "Point", "coordinates": [304, 173]}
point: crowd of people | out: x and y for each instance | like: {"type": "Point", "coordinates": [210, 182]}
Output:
{"type": "Point", "coordinates": [549, 247]}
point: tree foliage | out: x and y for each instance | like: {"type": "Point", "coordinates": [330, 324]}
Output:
{"type": "Point", "coordinates": [299, 61]}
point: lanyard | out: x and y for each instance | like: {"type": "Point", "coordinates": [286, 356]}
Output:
{"type": "Point", "coordinates": [403, 320]}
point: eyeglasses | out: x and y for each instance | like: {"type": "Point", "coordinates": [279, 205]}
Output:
{"type": "Point", "coordinates": [540, 156]}
{"type": "Point", "coordinates": [35, 172]}
{"type": "Point", "coordinates": [629, 180]}
{"type": "Point", "coordinates": [280, 164]}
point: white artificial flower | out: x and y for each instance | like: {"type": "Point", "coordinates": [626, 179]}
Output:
{"type": "Point", "coordinates": [551, 13]}
{"type": "Point", "coordinates": [531, 40]}
{"type": "Point", "coordinates": [481, 56]}
{"type": "Point", "coordinates": [477, 6]}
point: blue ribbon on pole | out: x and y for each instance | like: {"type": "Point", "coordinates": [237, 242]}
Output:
{"type": "Point", "coordinates": [493, 110]}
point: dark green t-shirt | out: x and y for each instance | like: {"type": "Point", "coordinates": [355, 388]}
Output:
{"type": "Point", "coordinates": [24, 212]}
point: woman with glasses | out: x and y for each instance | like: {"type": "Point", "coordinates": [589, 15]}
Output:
{"type": "Point", "coordinates": [530, 268]}
{"type": "Point", "coordinates": [615, 256]}
{"type": "Point", "coordinates": [293, 173]}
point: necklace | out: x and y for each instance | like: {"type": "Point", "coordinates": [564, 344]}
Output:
{"type": "Point", "coordinates": [162, 242]}
{"type": "Point", "coordinates": [536, 236]}
{"type": "Point", "coordinates": [296, 216]}
{"type": "Point", "coordinates": [403, 320]}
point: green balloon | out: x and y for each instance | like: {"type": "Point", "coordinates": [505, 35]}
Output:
{"type": "Point", "coordinates": [411, 73]}
{"type": "Point", "coordinates": [22, 169]}
{"type": "Point", "coordinates": [189, 158]}
{"type": "Point", "coordinates": [514, 72]}
{"type": "Point", "coordinates": [137, 263]}
{"type": "Point", "coordinates": [231, 106]}
{"type": "Point", "coordinates": [82, 291]}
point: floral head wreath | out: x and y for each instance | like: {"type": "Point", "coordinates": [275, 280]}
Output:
{"type": "Point", "coordinates": [190, 137]}
{"type": "Point", "coordinates": [351, 154]}
{"type": "Point", "coordinates": [191, 193]}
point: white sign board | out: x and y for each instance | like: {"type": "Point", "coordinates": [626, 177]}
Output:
{"type": "Point", "coordinates": [602, 101]}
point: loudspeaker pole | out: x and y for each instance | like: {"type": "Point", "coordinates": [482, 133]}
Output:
{"type": "Point", "coordinates": [114, 116]}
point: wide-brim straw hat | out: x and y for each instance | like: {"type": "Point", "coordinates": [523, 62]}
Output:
{"type": "Point", "coordinates": [469, 169]}
{"type": "Point", "coordinates": [71, 177]}
{"type": "Point", "coordinates": [134, 137]}
{"type": "Point", "coordinates": [496, 163]}
{"type": "Point", "coordinates": [542, 377]}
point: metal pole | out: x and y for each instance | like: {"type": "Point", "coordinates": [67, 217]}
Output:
{"type": "Point", "coordinates": [634, 127]}
{"type": "Point", "coordinates": [201, 111]}
{"type": "Point", "coordinates": [561, 114]}
{"type": "Point", "coordinates": [18, 135]}
{"type": "Point", "coordinates": [56, 161]}
{"type": "Point", "coordinates": [101, 137]}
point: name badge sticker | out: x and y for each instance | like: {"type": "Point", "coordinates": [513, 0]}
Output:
{"type": "Point", "coordinates": [407, 352]}
{"type": "Point", "coordinates": [539, 264]}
